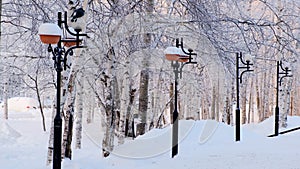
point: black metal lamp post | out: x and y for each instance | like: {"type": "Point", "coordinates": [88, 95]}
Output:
{"type": "Point", "coordinates": [179, 58]}
{"type": "Point", "coordinates": [51, 34]}
{"type": "Point", "coordinates": [281, 73]}
{"type": "Point", "coordinates": [246, 67]}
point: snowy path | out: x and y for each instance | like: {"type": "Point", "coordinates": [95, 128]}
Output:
{"type": "Point", "coordinates": [24, 145]}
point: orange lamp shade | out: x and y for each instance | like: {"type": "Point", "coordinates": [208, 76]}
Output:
{"type": "Point", "coordinates": [49, 39]}
{"type": "Point", "coordinates": [69, 42]}
{"type": "Point", "coordinates": [183, 59]}
{"type": "Point", "coordinates": [175, 54]}
{"type": "Point", "coordinates": [172, 57]}
{"type": "Point", "coordinates": [50, 33]}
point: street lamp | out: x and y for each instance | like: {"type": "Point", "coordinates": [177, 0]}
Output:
{"type": "Point", "coordinates": [246, 67]}
{"type": "Point", "coordinates": [281, 73]}
{"type": "Point", "coordinates": [178, 57]}
{"type": "Point", "coordinates": [52, 34]}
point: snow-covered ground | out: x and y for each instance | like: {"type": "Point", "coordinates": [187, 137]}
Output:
{"type": "Point", "coordinates": [203, 145]}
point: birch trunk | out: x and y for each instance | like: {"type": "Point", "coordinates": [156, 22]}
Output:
{"type": "Point", "coordinates": [226, 112]}
{"type": "Point", "coordinates": [156, 99]}
{"type": "Point", "coordinates": [257, 96]}
{"type": "Point", "coordinates": [79, 112]}
{"type": "Point", "coordinates": [90, 106]}
{"type": "Point", "coordinates": [69, 119]}
{"type": "Point", "coordinates": [285, 102]}
{"type": "Point", "coordinates": [143, 102]}
{"type": "Point", "coordinates": [119, 115]}
{"type": "Point", "coordinates": [171, 95]}
{"type": "Point", "coordinates": [51, 137]}
{"type": "Point", "coordinates": [272, 97]}
{"type": "Point", "coordinates": [144, 77]}
{"type": "Point", "coordinates": [213, 104]}
{"type": "Point", "coordinates": [263, 100]}
{"type": "Point", "coordinates": [244, 103]}
{"type": "Point", "coordinates": [226, 108]}
{"type": "Point", "coordinates": [218, 101]}
{"type": "Point", "coordinates": [108, 140]}
{"type": "Point", "coordinates": [5, 90]}
{"type": "Point", "coordinates": [233, 95]}
{"type": "Point", "coordinates": [5, 98]}
{"type": "Point", "coordinates": [250, 111]}
{"type": "Point", "coordinates": [205, 109]}
{"type": "Point", "coordinates": [123, 105]}
{"type": "Point", "coordinates": [281, 103]}
{"type": "Point", "coordinates": [294, 99]}
{"type": "Point", "coordinates": [129, 128]}
{"type": "Point", "coordinates": [107, 147]}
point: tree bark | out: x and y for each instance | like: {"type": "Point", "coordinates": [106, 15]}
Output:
{"type": "Point", "coordinates": [218, 101]}
{"type": "Point", "coordinates": [171, 96]}
{"type": "Point", "coordinates": [143, 102]}
{"type": "Point", "coordinates": [244, 103]}
{"type": "Point", "coordinates": [213, 104]}
{"type": "Point", "coordinates": [144, 77]}
{"type": "Point", "coordinates": [250, 111]}
{"type": "Point", "coordinates": [5, 90]}
{"type": "Point", "coordinates": [51, 136]}
{"type": "Point", "coordinates": [40, 103]}
{"type": "Point", "coordinates": [79, 112]}
{"type": "Point", "coordinates": [69, 119]}
{"type": "Point", "coordinates": [110, 111]}
{"type": "Point", "coordinates": [5, 99]}
{"type": "Point", "coordinates": [285, 102]}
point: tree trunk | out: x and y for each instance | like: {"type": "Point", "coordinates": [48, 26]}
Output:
{"type": "Point", "coordinates": [263, 90]}
{"type": "Point", "coordinates": [5, 98]}
{"type": "Point", "coordinates": [250, 112]}
{"type": "Point", "coordinates": [107, 143]}
{"type": "Point", "coordinates": [244, 103]}
{"type": "Point", "coordinates": [171, 95]}
{"type": "Point", "coordinates": [294, 98]}
{"type": "Point", "coordinates": [110, 111]}
{"type": "Point", "coordinates": [90, 106]}
{"type": "Point", "coordinates": [69, 119]}
{"type": "Point", "coordinates": [40, 103]}
{"type": "Point", "coordinates": [51, 137]}
{"type": "Point", "coordinates": [129, 116]}
{"type": "Point", "coordinates": [5, 90]}
{"type": "Point", "coordinates": [143, 102]}
{"type": "Point", "coordinates": [226, 112]}
{"type": "Point", "coordinates": [231, 99]}
{"type": "Point", "coordinates": [226, 107]}
{"type": "Point", "coordinates": [119, 115]}
{"type": "Point", "coordinates": [285, 102]}
{"type": "Point", "coordinates": [213, 104]}
{"type": "Point", "coordinates": [108, 140]}
{"type": "Point", "coordinates": [144, 77]}
{"type": "Point", "coordinates": [69, 131]}
{"type": "Point", "coordinates": [123, 105]}
{"type": "Point", "coordinates": [258, 97]}
{"type": "Point", "coordinates": [79, 112]}
{"type": "Point", "coordinates": [218, 101]}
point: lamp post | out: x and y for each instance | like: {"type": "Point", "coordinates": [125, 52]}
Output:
{"type": "Point", "coordinates": [281, 73]}
{"type": "Point", "coordinates": [52, 34]}
{"type": "Point", "coordinates": [246, 67]}
{"type": "Point", "coordinates": [179, 58]}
